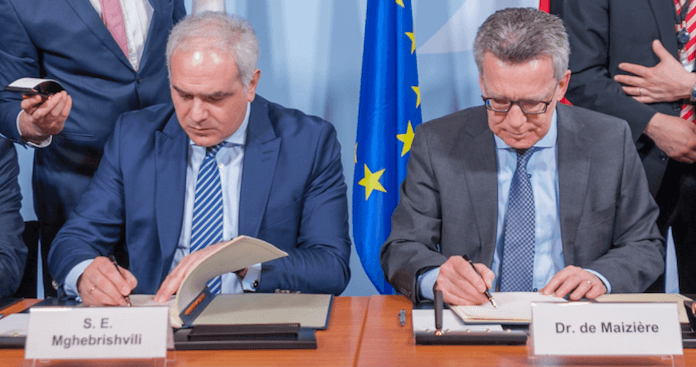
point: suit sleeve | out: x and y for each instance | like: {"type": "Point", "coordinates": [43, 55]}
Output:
{"type": "Point", "coordinates": [18, 58]}
{"type": "Point", "coordinates": [416, 223]}
{"type": "Point", "coordinates": [320, 262]}
{"type": "Point", "coordinates": [13, 252]}
{"type": "Point", "coordinates": [636, 257]}
{"type": "Point", "coordinates": [591, 83]}
{"type": "Point", "coordinates": [96, 225]}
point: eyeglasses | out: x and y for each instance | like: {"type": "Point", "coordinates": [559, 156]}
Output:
{"type": "Point", "coordinates": [529, 107]}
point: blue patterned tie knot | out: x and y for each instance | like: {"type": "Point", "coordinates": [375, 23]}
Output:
{"type": "Point", "coordinates": [206, 227]}
{"type": "Point", "coordinates": [517, 269]}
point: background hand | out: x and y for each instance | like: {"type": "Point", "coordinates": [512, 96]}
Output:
{"type": "Point", "coordinates": [674, 136]}
{"type": "Point", "coordinates": [580, 282]}
{"type": "Point", "coordinates": [102, 285]}
{"type": "Point", "coordinates": [667, 81]}
{"type": "Point", "coordinates": [44, 117]}
{"type": "Point", "coordinates": [459, 283]}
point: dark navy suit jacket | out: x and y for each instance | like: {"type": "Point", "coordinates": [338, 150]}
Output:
{"type": "Point", "coordinates": [13, 252]}
{"type": "Point", "coordinates": [605, 33]}
{"type": "Point", "coordinates": [293, 195]}
{"type": "Point", "coordinates": [66, 40]}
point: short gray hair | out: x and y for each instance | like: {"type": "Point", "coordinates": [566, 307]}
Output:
{"type": "Point", "coordinates": [229, 33]}
{"type": "Point", "coordinates": [518, 35]}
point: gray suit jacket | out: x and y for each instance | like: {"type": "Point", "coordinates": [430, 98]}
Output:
{"type": "Point", "coordinates": [448, 204]}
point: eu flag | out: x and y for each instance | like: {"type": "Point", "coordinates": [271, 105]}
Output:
{"type": "Point", "coordinates": [388, 115]}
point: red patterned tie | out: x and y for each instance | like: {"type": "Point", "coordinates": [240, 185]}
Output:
{"type": "Point", "coordinates": [113, 19]}
{"type": "Point", "coordinates": [688, 53]}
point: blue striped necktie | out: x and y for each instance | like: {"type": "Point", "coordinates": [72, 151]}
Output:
{"type": "Point", "coordinates": [206, 228]}
{"type": "Point", "coordinates": [517, 269]}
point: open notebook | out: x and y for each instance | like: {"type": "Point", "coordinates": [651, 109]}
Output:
{"type": "Point", "coordinates": [195, 305]}
{"type": "Point", "coordinates": [513, 308]}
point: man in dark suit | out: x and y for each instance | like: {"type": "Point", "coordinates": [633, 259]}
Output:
{"type": "Point", "coordinates": [13, 252]}
{"type": "Point", "coordinates": [68, 41]}
{"type": "Point", "coordinates": [625, 63]}
{"type": "Point", "coordinates": [541, 196]}
{"type": "Point", "coordinates": [280, 173]}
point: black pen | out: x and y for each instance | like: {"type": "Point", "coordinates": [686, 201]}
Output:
{"type": "Point", "coordinates": [113, 260]}
{"type": "Point", "coordinates": [486, 293]}
{"type": "Point", "coordinates": [438, 306]}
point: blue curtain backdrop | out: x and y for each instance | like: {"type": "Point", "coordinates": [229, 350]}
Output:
{"type": "Point", "coordinates": [389, 112]}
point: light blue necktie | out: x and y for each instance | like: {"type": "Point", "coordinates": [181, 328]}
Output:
{"type": "Point", "coordinates": [206, 228]}
{"type": "Point", "coordinates": [517, 270]}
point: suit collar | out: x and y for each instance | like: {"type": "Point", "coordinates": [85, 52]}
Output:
{"type": "Point", "coordinates": [89, 16]}
{"type": "Point", "coordinates": [86, 12]}
{"type": "Point", "coordinates": [574, 159]}
{"type": "Point", "coordinates": [665, 21]}
{"type": "Point", "coordinates": [260, 158]}
{"type": "Point", "coordinates": [158, 25]}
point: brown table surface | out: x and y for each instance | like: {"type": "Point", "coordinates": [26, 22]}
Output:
{"type": "Point", "coordinates": [386, 343]}
{"type": "Point", "coordinates": [362, 332]}
{"type": "Point", "coordinates": [336, 346]}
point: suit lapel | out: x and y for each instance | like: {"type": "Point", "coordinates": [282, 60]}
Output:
{"type": "Point", "coordinates": [156, 27]}
{"type": "Point", "coordinates": [171, 159]}
{"type": "Point", "coordinates": [665, 19]}
{"type": "Point", "coordinates": [481, 171]}
{"type": "Point", "coordinates": [260, 158]}
{"type": "Point", "coordinates": [86, 12]}
{"type": "Point", "coordinates": [573, 175]}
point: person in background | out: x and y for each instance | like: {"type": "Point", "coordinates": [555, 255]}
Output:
{"type": "Point", "coordinates": [109, 57]}
{"type": "Point", "coordinates": [633, 59]}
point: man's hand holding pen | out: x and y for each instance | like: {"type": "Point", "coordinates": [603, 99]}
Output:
{"type": "Point", "coordinates": [461, 285]}
{"type": "Point", "coordinates": [103, 284]}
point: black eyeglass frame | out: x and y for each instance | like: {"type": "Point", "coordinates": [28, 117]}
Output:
{"type": "Point", "coordinates": [518, 103]}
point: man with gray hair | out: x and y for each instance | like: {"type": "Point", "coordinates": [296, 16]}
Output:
{"type": "Point", "coordinates": [541, 196]}
{"type": "Point", "coordinates": [270, 172]}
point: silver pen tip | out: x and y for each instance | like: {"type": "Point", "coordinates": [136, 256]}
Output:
{"type": "Point", "coordinates": [493, 303]}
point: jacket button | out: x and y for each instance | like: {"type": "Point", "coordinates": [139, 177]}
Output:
{"type": "Point", "coordinates": [663, 156]}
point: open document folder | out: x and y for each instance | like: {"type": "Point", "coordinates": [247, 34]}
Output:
{"type": "Point", "coordinates": [195, 305]}
{"type": "Point", "coordinates": [513, 308]}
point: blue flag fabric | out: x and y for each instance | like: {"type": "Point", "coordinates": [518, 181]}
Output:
{"type": "Point", "coordinates": [388, 115]}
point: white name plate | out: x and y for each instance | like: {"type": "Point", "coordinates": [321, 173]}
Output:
{"type": "Point", "coordinates": [606, 329]}
{"type": "Point", "coordinates": [97, 333]}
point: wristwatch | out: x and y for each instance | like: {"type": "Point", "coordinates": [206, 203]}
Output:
{"type": "Point", "coordinates": [692, 97]}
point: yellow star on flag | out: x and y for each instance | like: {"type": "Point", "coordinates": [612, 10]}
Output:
{"type": "Point", "coordinates": [371, 182]}
{"type": "Point", "coordinates": [407, 139]}
{"type": "Point", "coordinates": [417, 90]}
{"type": "Point", "coordinates": [400, 2]}
{"type": "Point", "coordinates": [412, 36]}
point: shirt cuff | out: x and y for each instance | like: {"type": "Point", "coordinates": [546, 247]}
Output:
{"type": "Point", "coordinates": [252, 278]}
{"type": "Point", "coordinates": [602, 278]}
{"type": "Point", "coordinates": [43, 144]}
{"type": "Point", "coordinates": [426, 281]}
{"type": "Point", "coordinates": [70, 284]}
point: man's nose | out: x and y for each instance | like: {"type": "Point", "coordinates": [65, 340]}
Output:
{"type": "Point", "coordinates": [199, 110]}
{"type": "Point", "coordinates": [515, 117]}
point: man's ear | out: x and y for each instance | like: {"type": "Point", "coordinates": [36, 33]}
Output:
{"type": "Point", "coordinates": [251, 88]}
{"type": "Point", "coordinates": [563, 86]}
